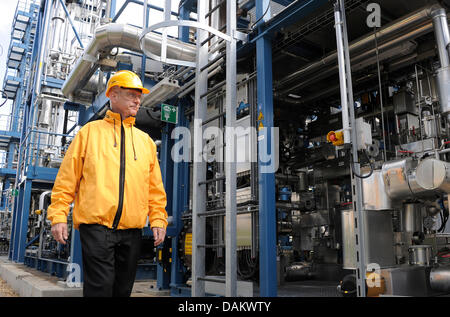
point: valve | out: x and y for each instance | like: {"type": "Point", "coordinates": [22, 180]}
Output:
{"type": "Point", "coordinates": [336, 137]}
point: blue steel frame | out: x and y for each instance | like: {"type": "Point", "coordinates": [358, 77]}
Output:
{"type": "Point", "coordinates": [180, 188]}
{"type": "Point", "coordinates": [17, 244]}
{"type": "Point", "coordinates": [29, 175]}
{"type": "Point", "coordinates": [13, 135]}
{"type": "Point", "coordinates": [267, 215]}
{"type": "Point", "coordinates": [176, 175]}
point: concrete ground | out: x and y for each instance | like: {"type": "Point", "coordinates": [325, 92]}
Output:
{"type": "Point", "coordinates": [6, 290]}
{"type": "Point", "coordinates": [18, 280]}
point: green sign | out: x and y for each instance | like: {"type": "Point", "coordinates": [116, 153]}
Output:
{"type": "Point", "coordinates": [169, 114]}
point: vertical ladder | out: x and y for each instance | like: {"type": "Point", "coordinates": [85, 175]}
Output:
{"type": "Point", "coordinates": [199, 211]}
{"type": "Point", "coordinates": [350, 138]}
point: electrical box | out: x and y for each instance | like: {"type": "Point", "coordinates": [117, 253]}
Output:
{"type": "Point", "coordinates": [404, 102]}
{"type": "Point", "coordinates": [364, 134]}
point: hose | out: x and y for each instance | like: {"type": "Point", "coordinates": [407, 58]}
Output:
{"type": "Point", "coordinates": [371, 167]}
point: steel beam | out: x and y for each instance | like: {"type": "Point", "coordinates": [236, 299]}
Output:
{"type": "Point", "coordinates": [230, 154]}
{"type": "Point", "coordinates": [199, 165]}
{"type": "Point", "coordinates": [267, 216]}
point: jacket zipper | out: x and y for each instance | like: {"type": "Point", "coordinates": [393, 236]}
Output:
{"type": "Point", "coordinates": [121, 179]}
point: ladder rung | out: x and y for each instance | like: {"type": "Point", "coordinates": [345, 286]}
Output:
{"type": "Point", "coordinates": [210, 279]}
{"type": "Point", "coordinates": [215, 8]}
{"type": "Point", "coordinates": [211, 246]}
{"type": "Point", "coordinates": [212, 36]}
{"type": "Point", "coordinates": [212, 62]}
{"type": "Point", "coordinates": [214, 118]}
{"type": "Point", "coordinates": [214, 89]}
{"type": "Point", "coordinates": [212, 180]}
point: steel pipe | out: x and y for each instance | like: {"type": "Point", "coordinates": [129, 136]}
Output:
{"type": "Point", "coordinates": [123, 36]}
{"type": "Point", "coordinates": [389, 32]}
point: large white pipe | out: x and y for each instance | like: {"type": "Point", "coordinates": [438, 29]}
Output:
{"type": "Point", "coordinates": [342, 77]}
{"type": "Point", "coordinates": [442, 35]}
{"type": "Point", "coordinates": [123, 36]}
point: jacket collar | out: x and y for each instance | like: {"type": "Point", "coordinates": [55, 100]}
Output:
{"type": "Point", "coordinates": [114, 116]}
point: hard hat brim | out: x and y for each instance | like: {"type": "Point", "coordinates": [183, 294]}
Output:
{"type": "Point", "coordinates": [144, 90]}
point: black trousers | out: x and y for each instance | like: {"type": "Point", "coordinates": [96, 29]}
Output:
{"type": "Point", "coordinates": [109, 260]}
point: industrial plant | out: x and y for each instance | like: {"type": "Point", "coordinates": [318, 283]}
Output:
{"type": "Point", "coordinates": [304, 145]}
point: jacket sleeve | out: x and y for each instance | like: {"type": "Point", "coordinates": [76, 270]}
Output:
{"type": "Point", "coordinates": [68, 180]}
{"type": "Point", "coordinates": [157, 198]}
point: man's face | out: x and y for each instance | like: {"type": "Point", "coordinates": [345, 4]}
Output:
{"type": "Point", "coordinates": [125, 101]}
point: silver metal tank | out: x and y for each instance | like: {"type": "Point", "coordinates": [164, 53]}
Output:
{"type": "Point", "coordinates": [411, 218]}
{"type": "Point", "coordinates": [420, 255]}
{"type": "Point", "coordinates": [440, 278]}
{"type": "Point", "coordinates": [379, 238]}
{"type": "Point", "coordinates": [433, 174]}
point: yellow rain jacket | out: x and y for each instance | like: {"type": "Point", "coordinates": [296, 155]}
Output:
{"type": "Point", "coordinates": [112, 173]}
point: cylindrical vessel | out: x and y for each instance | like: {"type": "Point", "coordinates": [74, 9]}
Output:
{"type": "Point", "coordinates": [302, 181]}
{"type": "Point", "coordinates": [395, 176]}
{"type": "Point", "coordinates": [45, 117]}
{"type": "Point", "coordinates": [440, 278]}
{"type": "Point", "coordinates": [420, 255]}
{"type": "Point", "coordinates": [442, 35]}
{"type": "Point", "coordinates": [411, 218]}
{"type": "Point", "coordinates": [58, 21]}
{"type": "Point", "coordinates": [375, 196]}
{"type": "Point", "coordinates": [348, 239]}
{"type": "Point", "coordinates": [443, 83]}
{"type": "Point", "coordinates": [433, 174]}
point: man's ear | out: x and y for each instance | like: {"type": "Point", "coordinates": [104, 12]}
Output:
{"type": "Point", "coordinates": [113, 93]}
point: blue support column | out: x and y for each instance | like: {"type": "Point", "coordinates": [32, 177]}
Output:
{"type": "Point", "coordinates": [112, 10]}
{"type": "Point", "coordinates": [14, 232]}
{"type": "Point", "coordinates": [180, 204]}
{"type": "Point", "coordinates": [21, 227]}
{"type": "Point", "coordinates": [180, 182]}
{"type": "Point", "coordinates": [75, 252]}
{"type": "Point", "coordinates": [267, 215]}
{"type": "Point", "coordinates": [6, 186]}
{"type": "Point", "coordinates": [163, 275]}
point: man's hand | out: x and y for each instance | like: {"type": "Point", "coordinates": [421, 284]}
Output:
{"type": "Point", "coordinates": [159, 235]}
{"type": "Point", "coordinates": [59, 232]}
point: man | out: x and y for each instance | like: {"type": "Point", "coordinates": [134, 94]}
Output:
{"type": "Point", "coordinates": [112, 173]}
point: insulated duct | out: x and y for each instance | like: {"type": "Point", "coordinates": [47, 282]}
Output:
{"type": "Point", "coordinates": [124, 36]}
{"type": "Point", "coordinates": [443, 73]}
{"type": "Point", "coordinates": [413, 25]}
{"type": "Point", "coordinates": [402, 179]}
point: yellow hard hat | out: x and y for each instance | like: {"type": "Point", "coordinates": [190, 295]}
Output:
{"type": "Point", "coordinates": [126, 79]}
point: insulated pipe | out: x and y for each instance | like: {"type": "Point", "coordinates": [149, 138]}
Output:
{"type": "Point", "coordinates": [342, 76]}
{"type": "Point", "coordinates": [443, 74]}
{"type": "Point", "coordinates": [440, 278]}
{"type": "Point", "coordinates": [123, 36]}
{"type": "Point", "coordinates": [442, 35]}
{"type": "Point", "coordinates": [363, 56]}
{"type": "Point", "coordinates": [390, 31]}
